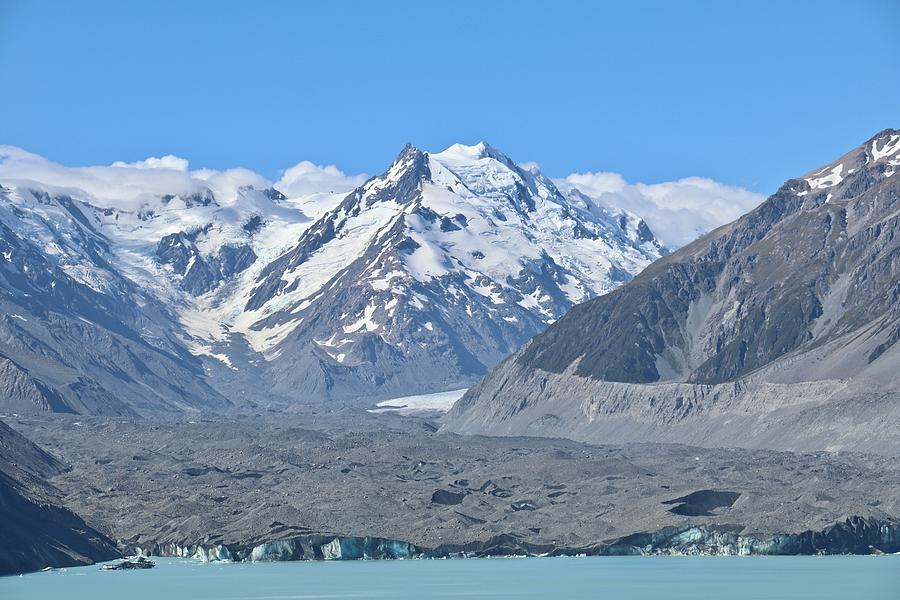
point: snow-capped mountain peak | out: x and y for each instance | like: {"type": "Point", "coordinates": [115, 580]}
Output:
{"type": "Point", "coordinates": [418, 280]}
{"type": "Point", "coordinates": [463, 153]}
{"type": "Point", "coordinates": [460, 250]}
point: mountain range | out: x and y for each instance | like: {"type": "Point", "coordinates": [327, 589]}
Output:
{"type": "Point", "coordinates": [419, 280]}
{"type": "Point", "coordinates": [778, 330]}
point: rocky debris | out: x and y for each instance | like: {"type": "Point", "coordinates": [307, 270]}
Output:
{"type": "Point", "coordinates": [37, 531]}
{"type": "Point", "coordinates": [519, 495]}
{"type": "Point", "coordinates": [447, 498]}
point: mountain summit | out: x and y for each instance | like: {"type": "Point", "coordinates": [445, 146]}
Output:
{"type": "Point", "coordinates": [428, 275]}
{"type": "Point", "coordinates": [779, 330]}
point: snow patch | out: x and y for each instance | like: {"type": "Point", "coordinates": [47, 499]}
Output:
{"type": "Point", "coordinates": [891, 147]}
{"type": "Point", "coordinates": [439, 402]}
{"type": "Point", "coordinates": [831, 179]}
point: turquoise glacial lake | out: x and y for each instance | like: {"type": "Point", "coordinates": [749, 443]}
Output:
{"type": "Point", "coordinates": [597, 578]}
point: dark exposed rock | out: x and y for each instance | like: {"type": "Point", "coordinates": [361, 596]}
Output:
{"type": "Point", "coordinates": [447, 497]}
{"type": "Point", "coordinates": [200, 273]}
{"type": "Point", "coordinates": [204, 197]}
{"type": "Point", "coordinates": [274, 195]}
{"type": "Point", "coordinates": [448, 224]}
{"type": "Point", "coordinates": [175, 249]}
{"type": "Point", "coordinates": [253, 224]}
{"type": "Point", "coordinates": [234, 259]}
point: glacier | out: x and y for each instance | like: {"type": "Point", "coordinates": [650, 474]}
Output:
{"type": "Point", "coordinates": [855, 535]}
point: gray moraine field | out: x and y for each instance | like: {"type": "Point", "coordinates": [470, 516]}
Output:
{"type": "Point", "coordinates": [354, 484]}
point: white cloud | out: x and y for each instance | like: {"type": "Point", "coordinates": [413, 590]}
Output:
{"type": "Point", "coordinates": [124, 186]}
{"type": "Point", "coordinates": [223, 183]}
{"type": "Point", "coordinates": [677, 211]}
{"type": "Point", "coordinates": [168, 161]}
{"type": "Point", "coordinates": [309, 178]}
{"type": "Point", "coordinates": [130, 185]}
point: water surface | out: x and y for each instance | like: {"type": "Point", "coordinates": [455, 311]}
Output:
{"type": "Point", "coordinates": [613, 578]}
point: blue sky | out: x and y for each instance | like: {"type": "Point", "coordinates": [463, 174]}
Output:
{"type": "Point", "coordinates": [746, 93]}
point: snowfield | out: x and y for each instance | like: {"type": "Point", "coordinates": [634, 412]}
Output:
{"type": "Point", "coordinates": [439, 402]}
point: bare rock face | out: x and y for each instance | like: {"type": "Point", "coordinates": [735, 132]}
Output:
{"type": "Point", "coordinates": [201, 274]}
{"type": "Point", "coordinates": [778, 330]}
{"type": "Point", "coordinates": [36, 530]}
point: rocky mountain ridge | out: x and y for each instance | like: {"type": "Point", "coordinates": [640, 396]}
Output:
{"type": "Point", "coordinates": [425, 276]}
{"type": "Point", "coordinates": [77, 334]}
{"type": "Point", "coordinates": [778, 330]}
